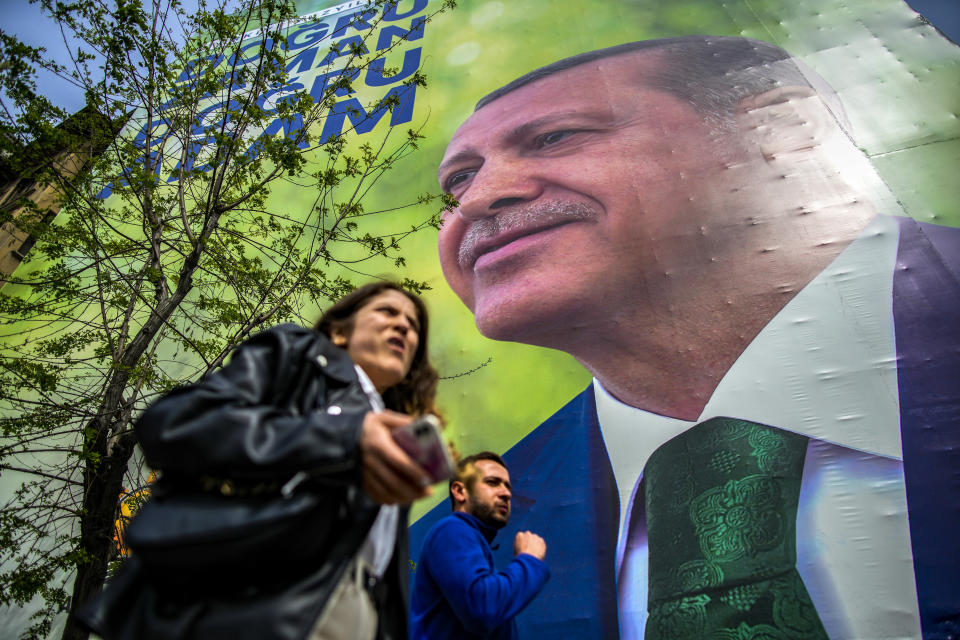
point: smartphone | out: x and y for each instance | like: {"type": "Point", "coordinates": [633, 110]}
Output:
{"type": "Point", "coordinates": [423, 441]}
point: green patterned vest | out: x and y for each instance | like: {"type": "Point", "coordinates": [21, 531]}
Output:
{"type": "Point", "coordinates": [721, 508]}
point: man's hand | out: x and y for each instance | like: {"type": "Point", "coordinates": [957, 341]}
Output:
{"type": "Point", "coordinates": [389, 475]}
{"type": "Point", "coordinates": [529, 542]}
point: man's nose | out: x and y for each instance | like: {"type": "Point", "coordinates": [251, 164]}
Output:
{"type": "Point", "coordinates": [497, 186]}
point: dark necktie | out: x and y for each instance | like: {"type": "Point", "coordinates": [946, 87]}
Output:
{"type": "Point", "coordinates": [721, 509]}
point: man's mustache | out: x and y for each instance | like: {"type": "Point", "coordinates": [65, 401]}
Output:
{"type": "Point", "coordinates": [517, 221]}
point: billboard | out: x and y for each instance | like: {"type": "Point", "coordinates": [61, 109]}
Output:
{"type": "Point", "coordinates": [701, 292]}
{"type": "Point", "coordinates": [717, 211]}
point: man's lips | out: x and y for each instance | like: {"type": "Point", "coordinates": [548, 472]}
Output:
{"type": "Point", "coordinates": [492, 233]}
{"type": "Point", "coordinates": [502, 240]}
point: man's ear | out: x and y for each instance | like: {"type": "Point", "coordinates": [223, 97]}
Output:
{"type": "Point", "coordinates": [785, 121]}
{"type": "Point", "coordinates": [459, 492]}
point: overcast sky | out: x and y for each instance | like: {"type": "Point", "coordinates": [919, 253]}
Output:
{"type": "Point", "coordinates": [25, 20]}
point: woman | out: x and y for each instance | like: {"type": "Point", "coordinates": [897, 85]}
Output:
{"type": "Point", "coordinates": [295, 413]}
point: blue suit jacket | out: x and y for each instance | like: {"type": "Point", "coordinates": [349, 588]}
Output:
{"type": "Point", "coordinates": [564, 487]}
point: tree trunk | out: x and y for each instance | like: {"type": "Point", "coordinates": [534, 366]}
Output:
{"type": "Point", "coordinates": [102, 488]}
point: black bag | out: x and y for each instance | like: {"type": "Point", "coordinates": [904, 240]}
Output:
{"type": "Point", "coordinates": [181, 535]}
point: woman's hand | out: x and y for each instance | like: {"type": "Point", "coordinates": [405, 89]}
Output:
{"type": "Point", "coordinates": [389, 475]}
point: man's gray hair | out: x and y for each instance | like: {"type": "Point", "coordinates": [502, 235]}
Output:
{"type": "Point", "coordinates": [712, 73]}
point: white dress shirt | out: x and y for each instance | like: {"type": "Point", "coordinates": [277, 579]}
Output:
{"type": "Point", "coordinates": [824, 367]}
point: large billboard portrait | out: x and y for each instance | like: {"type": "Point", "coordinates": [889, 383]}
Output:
{"type": "Point", "coordinates": [713, 209]}
{"type": "Point", "coordinates": [700, 289]}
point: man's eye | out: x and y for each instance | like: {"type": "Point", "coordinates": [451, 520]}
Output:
{"type": "Point", "coordinates": [457, 179]}
{"type": "Point", "coordinates": [553, 137]}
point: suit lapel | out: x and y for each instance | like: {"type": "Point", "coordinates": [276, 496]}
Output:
{"type": "Point", "coordinates": [926, 310]}
{"type": "Point", "coordinates": [565, 490]}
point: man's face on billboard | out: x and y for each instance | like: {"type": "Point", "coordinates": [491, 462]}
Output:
{"type": "Point", "coordinates": [577, 192]}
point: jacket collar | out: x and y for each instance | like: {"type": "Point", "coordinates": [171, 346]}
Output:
{"type": "Point", "coordinates": [488, 532]}
{"type": "Point", "coordinates": [332, 360]}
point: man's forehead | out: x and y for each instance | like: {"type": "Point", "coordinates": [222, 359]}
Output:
{"type": "Point", "coordinates": [491, 468]}
{"type": "Point", "coordinates": [632, 68]}
{"type": "Point", "coordinates": [627, 71]}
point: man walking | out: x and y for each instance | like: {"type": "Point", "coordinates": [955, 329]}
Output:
{"type": "Point", "coordinates": [457, 591]}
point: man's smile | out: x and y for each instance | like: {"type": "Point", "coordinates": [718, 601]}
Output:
{"type": "Point", "coordinates": [495, 232]}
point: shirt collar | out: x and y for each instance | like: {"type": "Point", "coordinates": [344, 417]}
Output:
{"type": "Point", "coordinates": [826, 366]}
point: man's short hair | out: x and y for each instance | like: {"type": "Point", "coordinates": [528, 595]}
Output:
{"type": "Point", "coordinates": [712, 73]}
{"type": "Point", "coordinates": [463, 466]}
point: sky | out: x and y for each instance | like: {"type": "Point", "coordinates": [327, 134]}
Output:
{"type": "Point", "coordinates": [25, 20]}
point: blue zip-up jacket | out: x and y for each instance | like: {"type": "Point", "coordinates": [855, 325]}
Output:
{"type": "Point", "coordinates": [457, 591]}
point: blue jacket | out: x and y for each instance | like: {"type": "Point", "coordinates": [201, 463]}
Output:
{"type": "Point", "coordinates": [457, 591]}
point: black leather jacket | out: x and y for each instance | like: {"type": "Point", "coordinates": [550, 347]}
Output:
{"type": "Point", "coordinates": [288, 401]}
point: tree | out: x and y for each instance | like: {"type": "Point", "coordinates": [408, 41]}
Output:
{"type": "Point", "coordinates": [169, 251]}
